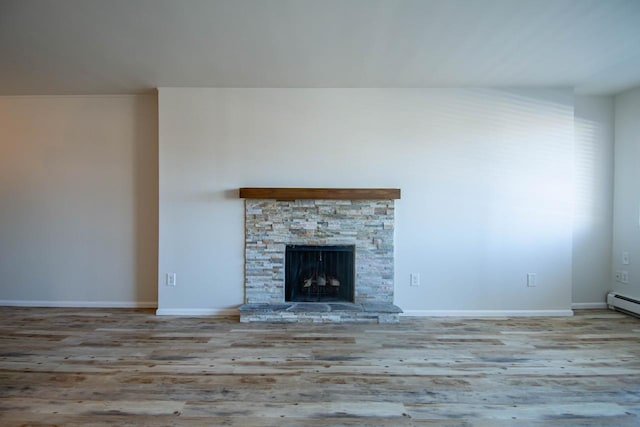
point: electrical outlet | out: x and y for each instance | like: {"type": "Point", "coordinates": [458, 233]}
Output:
{"type": "Point", "coordinates": [619, 276]}
{"type": "Point", "coordinates": [531, 280]}
{"type": "Point", "coordinates": [415, 279]}
{"type": "Point", "coordinates": [625, 258]}
{"type": "Point", "coordinates": [625, 276]}
{"type": "Point", "coordinates": [171, 279]}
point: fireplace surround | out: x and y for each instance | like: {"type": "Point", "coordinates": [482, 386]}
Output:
{"type": "Point", "coordinates": [278, 226]}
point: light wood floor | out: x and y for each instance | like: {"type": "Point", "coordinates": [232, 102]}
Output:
{"type": "Point", "coordinates": [97, 367]}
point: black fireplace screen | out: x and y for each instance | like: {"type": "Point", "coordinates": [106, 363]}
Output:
{"type": "Point", "coordinates": [319, 273]}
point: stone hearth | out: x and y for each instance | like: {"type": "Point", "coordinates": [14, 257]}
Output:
{"type": "Point", "coordinates": [320, 312]}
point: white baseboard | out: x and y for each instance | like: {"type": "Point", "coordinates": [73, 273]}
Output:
{"type": "Point", "coordinates": [234, 312]}
{"type": "Point", "coordinates": [588, 305]}
{"type": "Point", "coordinates": [197, 312]}
{"type": "Point", "coordinates": [487, 313]}
{"type": "Point", "coordinates": [79, 304]}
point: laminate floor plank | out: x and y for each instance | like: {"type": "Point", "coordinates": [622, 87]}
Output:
{"type": "Point", "coordinates": [120, 367]}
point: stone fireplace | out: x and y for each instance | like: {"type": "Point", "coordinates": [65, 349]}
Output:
{"type": "Point", "coordinates": [319, 255]}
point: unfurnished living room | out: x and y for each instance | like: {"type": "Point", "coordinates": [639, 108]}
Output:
{"type": "Point", "coordinates": [319, 213]}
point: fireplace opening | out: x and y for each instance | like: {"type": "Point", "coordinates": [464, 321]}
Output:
{"type": "Point", "coordinates": [319, 273]}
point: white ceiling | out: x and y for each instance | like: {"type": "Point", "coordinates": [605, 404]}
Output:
{"type": "Point", "coordinates": [132, 46]}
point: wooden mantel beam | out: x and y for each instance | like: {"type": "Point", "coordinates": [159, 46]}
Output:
{"type": "Point", "coordinates": [320, 193]}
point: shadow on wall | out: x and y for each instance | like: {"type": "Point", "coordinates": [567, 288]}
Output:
{"type": "Point", "coordinates": [232, 194]}
{"type": "Point", "coordinates": [146, 199]}
{"type": "Point", "coordinates": [593, 198]}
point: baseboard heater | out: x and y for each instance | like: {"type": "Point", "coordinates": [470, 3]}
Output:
{"type": "Point", "coordinates": [620, 302]}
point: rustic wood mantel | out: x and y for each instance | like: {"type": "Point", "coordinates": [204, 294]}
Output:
{"type": "Point", "coordinates": [320, 193]}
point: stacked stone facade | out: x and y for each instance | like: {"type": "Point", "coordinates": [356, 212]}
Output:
{"type": "Point", "coordinates": [270, 225]}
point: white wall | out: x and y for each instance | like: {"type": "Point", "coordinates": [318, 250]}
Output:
{"type": "Point", "coordinates": [626, 206]}
{"type": "Point", "coordinates": [486, 178]}
{"type": "Point", "coordinates": [78, 200]}
{"type": "Point", "coordinates": [592, 232]}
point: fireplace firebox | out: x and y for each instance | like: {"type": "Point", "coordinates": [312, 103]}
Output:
{"type": "Point", "coordinates": [319, 273]}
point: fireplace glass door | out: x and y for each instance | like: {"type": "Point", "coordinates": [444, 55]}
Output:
{"type": "Point", "coordinates": [319, 273]}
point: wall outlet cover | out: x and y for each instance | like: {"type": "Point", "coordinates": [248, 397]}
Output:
{"type": "Point", "coordinates": [171, 279]}
{"type": "Point", "coordinates": [625, 276]}
{"type": "Point", "coordinates": [415, 279]}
